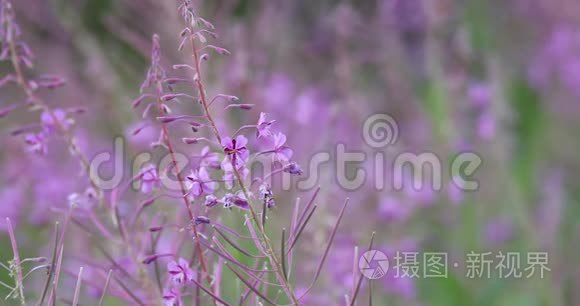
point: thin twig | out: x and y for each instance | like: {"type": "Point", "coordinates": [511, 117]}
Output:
{"type": "Point", "coordinates": [16, 262]}
{"type": "Point", "coordinates": [330, 240]}
{"type": "Point", "coordinates": [256, 291]}
{"type": "Point", "coordinates": [283, 253]}
{"type": "Point", "coordinates": [264, 208]}
{"type": "Point", "coordinates": [360, 279]}
{"type": "Point", "coordinates": [105, 288]}
{"type": "Point", "coordinates": [237, 247]}
{"type": "Point", "coordinates": [307, 207]}
{"type": "Point", "coordinates": [297, 236]}
{"type": "Point", "coordinates": [52, 267]}
{"type": "Point", "coordinates": [52, 297]}
{"type": "Point", "coordinates": [78, 288]}
{"type": "Point", "coordinates": [215, 297]}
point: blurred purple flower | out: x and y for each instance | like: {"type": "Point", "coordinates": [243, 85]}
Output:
{"type": "Point", "coordinates": [409, 15]}
{"type": "Point", "coordinates": [149, 178]}
{"type": "Point", "coordinates": [392, 209]}
{"type": "Point", "coordinates": [211, 200]}
{"type": "Point", "coordinates": [11, 198]}
{"type": "Point", "coordinates": [551, 209]}
{"type": "Point", "coordinates": [486, 125]}
{"type": "Point", "coordinates": [36, 142]}
{"type": "Point", "coordinates": [48, 121]}
{"type": "Point", "coordinates": [208, 158]}
{"type": "Point", "coordinates": [139, 135]}
{"type": "Point", "coordinates": [200, 182]}
{"type": "Point", "coordinates": [479, 94]}
{"type": "Point", "coordinates": [229, 174]}
{"type": "Point", "coordinates": [263, 127]}
{"type": "Point", "coordinates": [395, 281]}
{"type": "Point", "coordinates": [279, 90]}
{"type": "Point", "coordinates": [498, 231]}
{"type": "Point", "coordinates": [180, 271]}
{"type": "Point", "coordinates": [84, 201]}
{"type": "Point", "coordinates": [237, 200]}
{"type": "Point", "coordinates": [280, 151]}
{"type": "Point", "coordinates": [171, 297]}
{"type": "Point", "coordinates": [454, 192]}
{"type": "Point", "coordinates": [558, 60]}
{"type": "Point", "coordinates": [267, 195]}
{"type": "Point", "coordinates": [293, 168]}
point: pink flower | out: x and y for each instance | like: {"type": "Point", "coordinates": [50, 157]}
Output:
{"type": "Point", "coordinates": [266, 195]}
{"type": "Point", "coordinates": [180, 271]}
{"type": "Point", "coordinates": [455, 192]}
{"type": "Point", "coordinates": [293, 168]}
{"type": "Point", "coordinates": [83, 201]}
{"type": "Point", "coordinates": [238, 200]}
{"type": "Point", "coordinates": [392, 209]}
{"type": "Point", "coordinates": [50, 125]}
{"type": "Point", "coordinates": [12, 198]}
{"type": "Point", "coordinates": [263, 127]}
{"type": "Point", "coordinates": [211, 200]}
{"type": "Point", "coordinates": [201, 182]}
{"type": "Point", "coordinates": [229, 175]}
{"type": "Point", "coordinates": [236, 150]}
{"type": "Point", "coordinates": [171, 297]}
{"type": "Point", "coordinates": [280, 151]}
{"type": "Point", "coordinates": [149, 178]}
{"type": "Point", "coordinates": [486, 126]}
{"type": "Point", "coordinates": [208, 158]}
{"type": "Point", "coordinates": [36, 143]}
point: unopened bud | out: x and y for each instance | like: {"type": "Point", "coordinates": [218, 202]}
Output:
{"type": "Point", "coordinates": [187, 140]}
{"type": "Point", "coordinates": [201, 220]}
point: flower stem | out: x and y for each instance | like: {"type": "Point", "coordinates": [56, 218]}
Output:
{"type": "Point", "coordinates": [274, 261]}
{"type": "Point", "coordinates": [181, 181]}
{"type": "Point", "coordinates": [16, 262]}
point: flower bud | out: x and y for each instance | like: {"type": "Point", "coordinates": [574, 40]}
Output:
{"type": "Point", "coordinates": [293, 168]}
{"type": "Point", "coordinates": [211, 200]}
{"type": "Point", "coordinates": [201, 220]}
{"type": "Point", "coordinates": [187, 140]}
{"type": "Point", "coordinates": [168, 97]}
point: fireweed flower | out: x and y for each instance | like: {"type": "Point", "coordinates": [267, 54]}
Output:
{"type": "Point", "coordinates": [263, 127]}
{"type": "Point", "coordinates": [281, 152]}
{"type": "Point", "coordinates": [266, 195]}
{"type": "Point", "coordinates": [36, 142]}
{"type": "Point", "coordinates": [12, 198]}
{"type": "Point", "coordinates": [49, 124]}
{"type": "Point", "coordinates": [171, 297]}
{"type": "Point", "coordinates": [180, 271]}
{"type": "Point", "coordinates": [391, 209]}
{"type": "Point", "coordinates": [201, 220]}
{"type": "Point", "coordinates": [236, 150]}
{"type": "Point", "coordinates": [238, 200]}
{"type": "Point", "coordinates": [84, 201]}
{"type": "Point", "coordinates": [229, 176]}
{"type": "Point", "coordinates": [200, 182]}
{"type": "Point", "coordinates": [149, 178]}
{"type": "Point", "coordinates": [265, 191]}
{"type": "Point", "coordinates": [211, 200]}
{"type": "Point", "coordinates": [208, 158]}
{"type": "Point", "coordinates": [293, 168]}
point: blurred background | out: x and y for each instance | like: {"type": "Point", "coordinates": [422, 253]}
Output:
{"type": "Point", "coordinates": [497, 78]}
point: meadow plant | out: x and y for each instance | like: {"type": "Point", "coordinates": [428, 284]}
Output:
{"type": "Point", "coordinates": [261, 148]}
{"type": "Point", "coordinates": [128, 262]}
